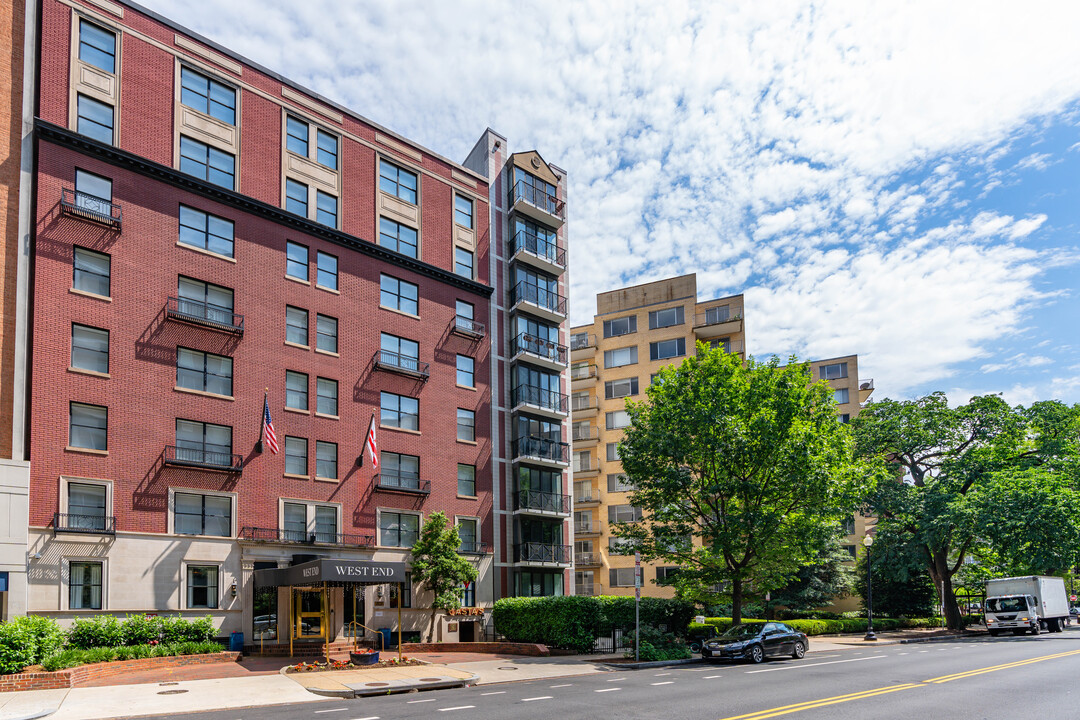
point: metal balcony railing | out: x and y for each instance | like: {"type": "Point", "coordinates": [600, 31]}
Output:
{"type": "Point", "coordinates": [538, 447]}
{"type": "Point", "coordinates": [88, 524]}
{"type": "Point", "coordinates": [582, 372]}
{"type": "Point", "coordinates": [538, 198]}
{"type": "Point", "coordinates": [204, 457]}
{"type": "Point", "coordinates": [867, 384]}
{"type": "Point", "coordinates": [297, 537]}
{"type": "Point", "coordinates": [586, 498]}
{"type": "Point", "coordinates": [582, 341]}
{"type": "Point", "coordinates": [474, 548]}
{"type": "Point", "coordinates": [468, 326]}
{"type": "Point", "coordinates": [543, 501]}
{"type": "Point", "coordinates": [542, 553]}
{"type": "Point", "coordinates": [585, 463]}
{"type": "Point", "coordinates": [90, 207]}
{"type": "Point", "coordinates": [402, 482]}
{"type": "Point", "coordinates": [587, 558]}
{"type": "Point", "coordinates": [583, 434]}
{"type": "Point", "coordinates": [543, 348]}
{"type": "Point", "coordinates": [538, 246]}
{"type": "Point", "coordinates": [586, 528]}
{"type": "Point", "coordinates": [540, 397]}
{"type": "Point", "coordinates": [715, 316]}
{"type": "Point", "coordinates": [404, 364]}
{"type": "Point", "coordinates": [589, 589]}
{"type": "Point", "coordinates": [583, 403]}
{"type": "Point", "coordinates": [204, 313]}
{"type": "Point", "coordinates": [541, 297]}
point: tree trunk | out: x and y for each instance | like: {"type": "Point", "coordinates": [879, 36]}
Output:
{"type": "Point", "coordinates": [431, 629]}
{"type": "Point", "coordinates": [736, 602]}
{"type": "Point", "coordinates": [939, 573]}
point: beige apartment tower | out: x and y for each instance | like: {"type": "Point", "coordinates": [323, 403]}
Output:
{"type": "Point", "coordinates": [635, 332]}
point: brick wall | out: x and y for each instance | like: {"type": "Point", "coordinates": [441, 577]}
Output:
{"type": "Point", "coordinates": [76, 676]}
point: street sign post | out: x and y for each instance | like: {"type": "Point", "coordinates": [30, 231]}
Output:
{"type": "Point", "coordinates": [637, 605]}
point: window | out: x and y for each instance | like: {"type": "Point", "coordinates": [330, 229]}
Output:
{"type": "Point", "coordinates": [202, 586]}
{"type": "Point", "coordinates": [204, 300]}
{"type": "Point", "coordinates": [326, 396]}
{"type": "Point", "coordinates": [619, 545]}
{"type": "Point", "coordinates": [397, 237]}
{"type": "Point", "coordinates": [398, 182]}
{"type": "Point", "coordinates": [464, 311]}
{"type": "Point", "coordinates": [296, 136]}
{"type": "Point", "coordinates": [326, 460]}
{"type": "Point", "coordinates": [296, 197]}
{"type": "Point", "coordinates": [463, 262]}
{"type": "Point", "coordinates": [667, 349]}
{"type": "Point", "coordinates": [845, 417]}
{"type": "Point", "coordinates": [296, 261]}
{"type": "Point", "coordinates": [620, 357]}
{"type": "Point", "coordinates": [398, 295]}
{"type": "Point", "coordinates": [296, 325]}
{"type": "Point", "coordinates": [195, 514]}
{"type": "Point", "coordinates": [840, 397]}
{"type": "Point", "coordinates": [91, 272]}
{"type": "Point", "coordinates": [466, 425]}
{"type": "Point", "coordinates": [463, 212]}
{"type": "Point", "coordinates": [465, 371]}
{"type": "Point", "coordinates": [398, 529]}
{"type": "Point", "coordinates": [665, 318]}
{"type": "Point", "coordinates": [539, 584]}
{"type": "Point", "coordinates": [834, 371]}
{"type": "Point", "coordinates": [623, 513]}
{"type": "Point", "coordinates": [296, 390]}
{"type": "Point", "coordinates": [326, 522]}
{"type": "Point", "coordinates": [466, 480]}
{"type": "Point", "coordinates": [621, 577]}
{"type": "Point", "coordinates": [325, 209]}
{"type": "Point", "coordinates": [666, 573]}
{"type": "Point", "coordinates": [327, 149]}
{"type": "Point", "coordinates": [617, 482]}
{"type": "Point", "coordinates": [95, 119]}
{"type": "Point", "coordinates": [202, 371]}
{"type": "Point", "coordinates": [97, 46]}
{"type": "Point", "coordinates": [326, 333]}
{"type": "Point", "coordinates": [294, 517]}
{"type": "Point", "coordinates": [89, 348]}
{"type": "Point", "coordinates": [208, 96]}
{"type": "Point", "coordinates": [207, 163]}
{"type": "Point", "coordinates": [852, 551]}
{"type": "Point", "coordinates": [401, 471]}
{"type": "Point", "coordinates": [206, 232]}
{"type": "Point", "coordinates": [89, 425]}
{"type": "Point", "coordinates": [847, 527]}
{"type": "Point", "coordinates": [405, 600]}
{"type": "Point", "coordinates": [326, 270]}
{"type": "Point", "coordinates": [84, 586]}
{"type": "Point", "coordinates": [90, 188]}
{"type": "Point", "coordinates": [612, 452]}
{"type": "Point", "coordinates": [620, 326]}
{"type": "Point", "coordinates": [295, 455]}
{"type": "Point", "coordinates": [617, 419]}
{"type": "Point", "coordinates": [399, 352]}
{"type": "Point", "coordinates": [204, 443]}
{"type": "Point", "coordinates": [468, 531]}
{"type": "Point", "coordinates": [87, 506]}
{"type": "Point", "coordinates": [620, 388]}
{"type": "Point", "coordinates": [582, 461]}
{"type": "Point", "coordinates": [400, 411]}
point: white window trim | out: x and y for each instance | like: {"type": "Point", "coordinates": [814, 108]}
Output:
{"type": "Point", "coordinates": [196, 491]}
{"type": "Point", "coordinates": [223, 583]}
{"type": "Point", "coordinates": [65, 581]}
{"type": "Point", "coordinates": [311, 505]}
{"type": "Point", "coordinates": [401, 511]}
{"type": "Point", "coordinates": [66, 480]}
{"type": "Point", "coordinates": [458, 518]}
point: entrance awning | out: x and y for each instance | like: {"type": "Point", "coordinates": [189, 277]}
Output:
{"type": "Point", "coordinates": [332, 572]}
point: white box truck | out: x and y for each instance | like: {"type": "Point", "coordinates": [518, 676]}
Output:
{"type": "Point", "coordinates": [1026, 604]}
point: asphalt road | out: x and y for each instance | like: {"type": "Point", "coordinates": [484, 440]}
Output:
{"type": "Point", "coordinates": [1007, 678]}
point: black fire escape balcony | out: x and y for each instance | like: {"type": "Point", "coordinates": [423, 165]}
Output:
{"type": "Point", "coordinates": [206, 314]}
{"type": "Point", "coordinates": [84, 524]}
{"type": "Point", "coordinates": [468, 327]}
{"type": "Point", "coordinates": [401, 364]}
{"type": "Point", "coordinates": [203, 457]}
{"type": "Point", "coordinates": [89, 207]}
{"type": "Point", "coordinates": [402, 482]}
{"type": "Point", "coordinates": [296, 537]}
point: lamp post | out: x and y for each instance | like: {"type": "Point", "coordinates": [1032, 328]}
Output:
{"type": "Point", "coordinates": [867, 542]}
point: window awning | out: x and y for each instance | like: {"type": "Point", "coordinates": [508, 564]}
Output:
{"type": "Point", "coordinates": [333, 572]}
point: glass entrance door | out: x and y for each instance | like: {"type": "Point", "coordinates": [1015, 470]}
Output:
{"type": "Point", "coordinates": [308, 614]}
{"type": "Point", "coordinates": [354, 610]}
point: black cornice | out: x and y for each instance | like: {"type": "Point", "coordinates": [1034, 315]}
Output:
{"type": "Point", "coordinates": [121, 158]}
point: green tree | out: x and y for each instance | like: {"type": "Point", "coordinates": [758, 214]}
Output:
{"type": "Point", "coordinates": [742, 471]}
{"type": "Point", "coordinates": [969, 476]}
{"type": "Point", "coordinates": [437, 565]}
{"type": "Point", "coordinates": [901, 582]}
{"type": "Point", "coordinates": [820, 582]}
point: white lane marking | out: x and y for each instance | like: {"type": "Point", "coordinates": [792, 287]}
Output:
{"type": "Point", "coordinates": [831, 662]}
{"type": "Point", "coordinates": [616, 679]}
{"type": "Point", "coordinates": [922, 651]}
{"type": "Point", "coordinates": [822, 657]}
{"type": "Point", "coordinates": [711, 677]}
{"type": "Point", "coordinates": [667, 682]}
{"type": "Point", "coordinates": [411, 702]}
{"type": "Point", "coordinates": [373, 717]}
{"type": "Point", "coordinates": [459, 707]}
{"type": "Point", "coordinates": [334, 710]}
{"type": "Point", "coordinates": [903, 653]}
{"type": "Point", "coordinates": [542, 697]}
{"type": "Point", "coordinates": [558, 686]}
{"type": "Point", "coordinates": [661, 674]}
{"type": "Point", "coordinates": [498, 692]}
{"type": "Point", "coordinates": [608, 690]}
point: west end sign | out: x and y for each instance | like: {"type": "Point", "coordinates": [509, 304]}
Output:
{"type": "Point", "coordinates": [332, 571]}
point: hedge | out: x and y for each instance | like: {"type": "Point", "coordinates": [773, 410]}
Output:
{"type": "Point", "coordinates": [840, 625]}
{"type": "Point", "coordinates": [73, 657]}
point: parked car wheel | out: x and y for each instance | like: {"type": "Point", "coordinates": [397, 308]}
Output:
{"type": "Point", "coordinates": [799, 651]}
{"type": "Point", "coordinates": [994, 633]}
{"type": "Point", "coordinates": [695, 646]}
{"type": "Point", "coordinates": [755, 654]}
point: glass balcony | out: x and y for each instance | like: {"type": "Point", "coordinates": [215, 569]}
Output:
{"type": "Point", "coordinates": [537, 203]}
{"type": "Point", "coordinates": [543, 502]}
{"type": "Point", "coordinates": [538, 448]}
{"type": "Point", "coordinates": [552, 353]}
{"type": "Point", "coordinates": [534, 250]}
{"type": "Point", "coordinates": [550, 400]}
{"type": "Point", "coordinates": [534, 552]}
{"type": "Point", "coordinates": [542, 301]}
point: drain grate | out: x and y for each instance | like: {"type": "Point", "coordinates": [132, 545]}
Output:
{"type": "Point", "coordinates": [171, 692]}
{"type": "Point", "coordinates": [376, 684]}
{"type": "Point", "coordinates": [508, 667]}
{"type": "Point", "coordinates": [168, 683]}
{"type": "Point", "coordinates": [430, 679]}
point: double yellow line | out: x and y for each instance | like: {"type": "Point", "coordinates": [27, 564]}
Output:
{"type": "Point", "coordinates": [811, 704]}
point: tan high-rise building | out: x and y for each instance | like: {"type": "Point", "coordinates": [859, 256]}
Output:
{"type": "Point", "coordinates": [635, 332]}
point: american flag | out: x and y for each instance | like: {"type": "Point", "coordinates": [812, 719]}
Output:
{"type": "Point", "coordinates": [372, 447]}
{"type": "Point", "coordinates": [268, 427]}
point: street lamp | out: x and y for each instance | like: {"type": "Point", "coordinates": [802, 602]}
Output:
{"type": "Point", "coordinates": [867, 542]}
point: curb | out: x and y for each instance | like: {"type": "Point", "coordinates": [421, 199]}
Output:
{"type": "Point", "coordinates": [34, 715]}
{"type": "Point", "coordinates": [649, 664]}
{"type": "Point", "coordinates": [349, 693]}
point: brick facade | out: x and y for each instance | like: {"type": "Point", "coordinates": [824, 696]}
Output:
{"type": "Point", "coordinates": [74, 677]}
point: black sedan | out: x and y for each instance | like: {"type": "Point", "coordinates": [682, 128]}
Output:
{"type": "Point", "coordinates": [755, 642]}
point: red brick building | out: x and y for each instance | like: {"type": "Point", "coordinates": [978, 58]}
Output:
{"type": "Point", "coordinates": [207, 234]}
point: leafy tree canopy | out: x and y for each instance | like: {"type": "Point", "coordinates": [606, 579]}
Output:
{"type": "Point", "coordinates": [819, 583]}
{"type": "Point", "coordinates": [437, 565]}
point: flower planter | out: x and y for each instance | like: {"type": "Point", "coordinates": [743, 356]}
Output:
{"type": "Point", "coordinates": [364, 658]}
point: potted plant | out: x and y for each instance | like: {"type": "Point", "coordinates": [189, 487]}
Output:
{"type": "Point", "coordinates": [364, 656]}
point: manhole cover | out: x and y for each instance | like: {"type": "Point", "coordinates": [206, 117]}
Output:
{"type": "Point", "coordinates": [508, 667]}
{"type": "Point", "coordinates": [430, 679]}
{"type": "Point", "coordinates": [171, 692]}
{"type": "Point", "coordinates": [167, 683]}
{"type": "Point", "coordinates": [376, 684]}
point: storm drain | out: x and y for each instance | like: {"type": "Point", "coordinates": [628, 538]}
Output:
{"type": "Point", "coordinates": [508, 667]}
{"type": "Point", "coordinates": [171, 692]}
{"type": "Point", "coordinates": [376, 684]}
{"type": "Point", "coordinates": [430, 679]}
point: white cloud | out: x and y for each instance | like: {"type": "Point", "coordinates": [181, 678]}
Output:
{"type": "Point", "coordinates": [1020, 360]}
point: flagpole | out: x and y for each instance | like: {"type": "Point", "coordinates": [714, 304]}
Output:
{"type": "Point", "coordinates": [262, 420]}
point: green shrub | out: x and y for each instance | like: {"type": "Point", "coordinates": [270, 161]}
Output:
{"type": "Point", "coordinates": [101, 631]}
{"type": "Point", "coordinates": [569, 622]}
{"type": "Point", "coordinates": [17, 644]}
{"type": "Point", "coordinates": [670, 615]}
{"type": "Point", "coordinates": [657, 645]}
{"type": "Point", "coordinates": [141, 629]}
{"type": "Point", "coordinates": [177, 630]}
{"type": "Point", "coordinates": [69, 658]}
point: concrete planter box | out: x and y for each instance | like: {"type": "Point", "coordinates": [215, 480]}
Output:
{"type": "Point", "coordinates": [73, 677]}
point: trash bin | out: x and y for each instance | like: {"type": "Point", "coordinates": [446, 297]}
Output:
{"type": "Point", "coordinates": [387, 636]}
{"type": "Point", "coordinates": [236, 642]}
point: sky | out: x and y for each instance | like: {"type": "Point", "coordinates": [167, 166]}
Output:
{"type": "Point", "coordinates": [899, 180]}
